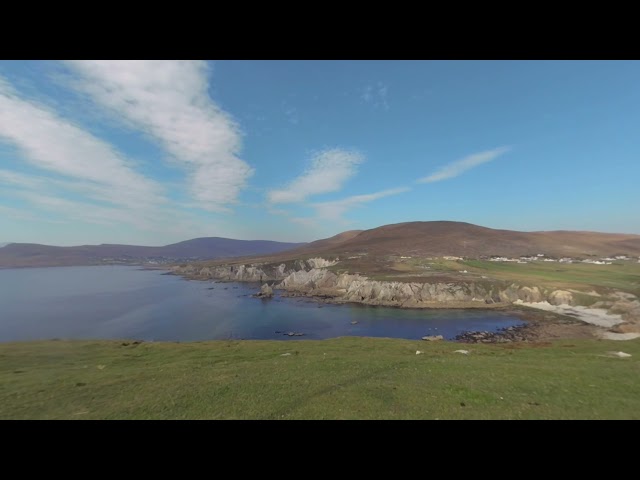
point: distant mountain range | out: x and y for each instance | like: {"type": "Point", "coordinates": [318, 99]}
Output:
{"type": "Point", "coordinates": [35, 255]}
{"type": "Point", "coordinates": [438, 238]}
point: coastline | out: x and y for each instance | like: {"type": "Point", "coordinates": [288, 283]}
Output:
{"type": "Point", "coordinates": [540, 326]}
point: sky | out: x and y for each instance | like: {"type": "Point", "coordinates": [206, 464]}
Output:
{"type": "Point", "coordinates": [156, 152]}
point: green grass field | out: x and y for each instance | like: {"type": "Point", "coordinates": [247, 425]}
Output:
{"type": "Point", "coordinates": [344, 378]}
{"type": "Point", "coordinates": [619, 276]}
{"type": "Point", "coordinates": [623, 276]}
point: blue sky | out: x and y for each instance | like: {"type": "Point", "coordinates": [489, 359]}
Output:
{"type": "Point", "coordinates": [157, 152]}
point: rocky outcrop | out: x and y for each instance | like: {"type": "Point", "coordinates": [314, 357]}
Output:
{"type": "Point", "coordinates": [515, 292]}
{"type": "Point", "coordinates": [560, 297]}
{"type": "Point", "coordinates": [358, 288]}
{"type": "Point", "coordinates": [628, 307]}
{"type": "Point", "coordinates": [433, 338]}
{"type": "Point", "coordinates": [630, 314]}
{"type": "Point", "coordinates": [320, 262]}
{"type": "Point", "coordinates": [408, 294]}
{"type": "Point", "coordinates": [314, 278]}
{"type": "Point", "coordinates": [256, 272]}
{"type": "Point", "coordinates": [236, 273]}
{"type": "Point", "coordinates": [516, 333]}
{"type": "Point", "coordinates": [265, 291]}
{"type": "Point", "coordinates": [626, 327]}
{"type": "Point", "coordinates": [625, 306]}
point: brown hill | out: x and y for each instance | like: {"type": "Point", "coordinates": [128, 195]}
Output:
{"type": "Point", "coordinates": [325, 243]}
{"type": "Point", "coordinates": [467, 240]}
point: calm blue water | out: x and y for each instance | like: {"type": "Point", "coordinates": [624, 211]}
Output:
{"type": "Point", "coordinates": [126, 302]}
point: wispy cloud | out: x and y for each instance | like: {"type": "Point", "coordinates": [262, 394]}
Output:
{"type": "Point", "coordinates": [53, 143]}
{"type": "Point", "coordinates": [78, 177]}
{"type": "Point", "coordinates": [82, 210]}
{"type": "Point", "coordinates": [328, 172]}
{"type": "Point", "coordinates": [292, 115]}
{"type": "Point", "coordinates": [168, 221]}
{"type": "Point", "coordinates": [367, 93]}
{"type": "Point", "coordinates": [305, 222]}
{"type": "Point", "coordinates": [8, 177]}
{"type": "Point", "coordinates": [460, 166]}
{"type": "Point", "coordinates": [335, 209]}
{"type": "Point", "coordinates": [275, 211]}
{"type": "Point", "coordinates": [169, 101]}
{"type": "Point", "coordinates": [21, 214]}
{"type": "Point", "coordinates": [376, 95]}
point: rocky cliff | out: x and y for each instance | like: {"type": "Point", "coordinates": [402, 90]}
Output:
{"type": "Point", "coordinates": [358, 288]}
{"type": "Point", "coordinates": [311, 277]}
{"type": "Point", "coordinates": [258, 272]}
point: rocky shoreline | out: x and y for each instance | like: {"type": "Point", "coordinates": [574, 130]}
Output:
{"type": "Point", "coordinates": [518, 333]}
{"type": "Point", "coordinates": [311, 278]}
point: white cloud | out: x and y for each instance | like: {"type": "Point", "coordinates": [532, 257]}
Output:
{"type": "Point", "coordinates": [276, 211]}
{"type": "Point", "coordinates": [17, 179]}
{"type": "Point", "coordinates": [53, 143]}
{"type": "Point", "coordinates": [334, 210]}
{"type": "Point", "coordinates": [169, 101]}
{"type": "Point", "coordinates": [328, 172]}
{"type": "Point", "coordinates": [305, 222]}
{"type": "Point", "coordinates": [170, 222]}
{"type": "Point", "coordinates": [460, 166]}
{"type": "Point", "coordinates": [21, 214]}
{"type": "Point", "coordinates": [367, 93]}
{"type": "Point", "coordinates": [376, 95]}
{"type": "Point", "coordinates": [105, 187]}
{"type": "Point", "coordinates": [86, 212]}
{"type": "Point", "coordinates": [292, 115]}
{"type": "Point", "coordinates": [382, 96]}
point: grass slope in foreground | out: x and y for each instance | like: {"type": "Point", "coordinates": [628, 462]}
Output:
{"type": "Point", "coordinates": [343, 378]}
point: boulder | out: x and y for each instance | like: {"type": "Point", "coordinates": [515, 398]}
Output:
{"type": "Point", "coordinates": [265, 291]}
{"type": "Point", "coordinates": [433, 338]}
{"type": "Point", "coordinates": [561, 297]}
{"type": "Point", "coordinates": [530, 294]}
{"type": "Point", "coordinates": [624, 306]}
{"type": "Point", "coordinates": [626, 327]}
{"type": "Point", "coordinates": [619, 354]}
